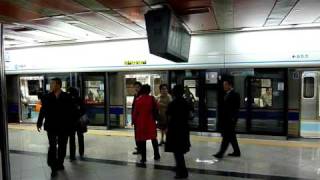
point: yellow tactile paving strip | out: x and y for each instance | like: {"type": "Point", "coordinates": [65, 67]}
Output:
{"type": "Point", "coordinates": [261, 142]}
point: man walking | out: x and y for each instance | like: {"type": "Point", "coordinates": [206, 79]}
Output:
{"type": "Point", "coordinates": [228, 122]}
{"type": "Point", "coordinates": [57, 111]}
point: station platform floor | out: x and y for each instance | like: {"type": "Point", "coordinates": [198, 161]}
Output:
{"type": "Point", "coordinates": [108, 155]}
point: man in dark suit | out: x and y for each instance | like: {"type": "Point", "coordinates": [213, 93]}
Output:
{"type": "Point", "coordinates": [229, 117]}
{"type": "Point", "coordinates": [57, 111]}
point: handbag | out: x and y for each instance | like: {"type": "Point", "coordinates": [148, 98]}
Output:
{"type": "Point", "coordinates": [84, 121]}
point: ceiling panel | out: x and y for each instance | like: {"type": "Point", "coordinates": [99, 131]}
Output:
{"type": "Point", "coordinates": [187, 6]}
{"type": "Point", "coordinates": [100, 21]}
{"type": "Point", "coordinates": [306, 11]}
{"type": "Point", "coordinates": [31, 6]}
{"type": "Point", "coordinates": [74, 22]}
{"type": "Point", "coordinates": [30, 21]}
{"type": "Point", "coordinates": [223, 11]}
{"type": "Point", "coordinates": [118, 4]}
{"type": "Point", "coordinates": [251, 13]}
{"type": "Point", "coordinates": [116, 17]}
{"type": "Point", "coordinates": [280, 11]}
{"type": "Point", "coordinates": [15, 12]}
{"type": "Point", "coordinates": [200, 21]}
{"type": "Point", "coordinates": [92, 5]}
{"type": "Point", "coordinates": [65, 6]}
{"type": "Point", "coordinates": [65, 28]}
{"type": "Point", "coordinates": [135, 14]}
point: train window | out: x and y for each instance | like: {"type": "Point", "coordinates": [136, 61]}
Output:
{"type": "Point", "coordinates": [94, 92]}
{"type": "Point", "coordinates": [266, 97]}
{"type": "Point", "coordinates": [262, 92]}
{"type": "Point", "coordinates": [308, 89]}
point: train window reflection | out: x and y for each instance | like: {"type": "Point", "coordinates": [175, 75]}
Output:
{"type": "Point", "coordinates": [266, 97]}
{"type": "Point", "coordinates": [94, 92]}
{"type": "Point", "coordinates": [262, 94]}
{"type": "Point", "coordinates": [308, 89]}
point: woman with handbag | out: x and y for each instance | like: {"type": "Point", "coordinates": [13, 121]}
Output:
{"type": "Point", "coordinates": [80, 126]}
{"type": "Point", "coordinates": [145, 123]}
{"type": "Point", "coordinates": [163, 100]}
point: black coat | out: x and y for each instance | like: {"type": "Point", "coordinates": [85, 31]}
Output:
{"type": "Point", "coordinates": [79, 111]}
{"type": "Point", "coordinates": [178, 135]}
{"type": "Point", "coordinates": [230, 110]}
{"type": "Point", "coordinates": [57, 112]}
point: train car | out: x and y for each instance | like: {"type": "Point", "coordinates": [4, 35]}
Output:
{"type": "Point", "coordinates": [278, 85]}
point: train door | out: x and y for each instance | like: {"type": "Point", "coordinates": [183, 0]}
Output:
{"type": "Point", "coordinates": [211, 100]}
{"type": "Point", "coordinates": [31, 88]}
{"type": "Point", "coordinates": [191, 94]}
{"type": "Point", "coordinates": [310, 117]}
{"type": "Point", "coordinates": [153, 79]}
{"type": "Point", "coordinates": [93, 92]}
{"type": "Point", "coordinates": [266, 111]}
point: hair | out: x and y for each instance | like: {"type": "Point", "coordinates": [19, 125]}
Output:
{"type": "Point", "coordinates": [58, 81]}
{"type": "Point", "coordinates": [137, 83]}
{"type": "Point", "coordinates": [73, 91]}
{"type": "Point", "coordinates": [178, 90]}
{"type": "Point", "coordinates": [145, 89]}
{"type": "Point", "coordinates": [229, 81]}
{"type": "Point", "coordinates": [163, 85]}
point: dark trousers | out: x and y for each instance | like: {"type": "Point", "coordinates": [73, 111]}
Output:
{"type": "Point", "coordinates": [229, 136]}
{"type": "Point", "coordinates": [72, 144]}
{"type": "Point", "coordinates": [181, 169]}
{"type": "Point", "coordinates": [143, 149]}
{"type": "Point", "coordinates": [56, 155]}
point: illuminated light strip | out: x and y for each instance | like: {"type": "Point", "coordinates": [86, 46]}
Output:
{"type": "Point", "coordinates": [312, 25]}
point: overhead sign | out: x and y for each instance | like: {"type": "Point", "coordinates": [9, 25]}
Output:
{"type": "Point", "coordinates": [135, 62]}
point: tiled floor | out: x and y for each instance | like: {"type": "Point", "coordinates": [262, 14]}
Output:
{"type": "Point", "coordinates": [110, 157]}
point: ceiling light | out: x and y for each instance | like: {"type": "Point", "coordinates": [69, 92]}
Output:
{"type": "Point", "coordinates": [266, 28]}
{"type": "Point", "coordinates": [307, 25]}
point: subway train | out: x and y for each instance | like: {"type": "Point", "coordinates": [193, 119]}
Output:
{"type": "Point", "coordinates": [275, 72]}
{"type": "Point", "coordinates": [274, 101]}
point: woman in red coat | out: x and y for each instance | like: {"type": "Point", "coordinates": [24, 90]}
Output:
{"type": "Point", "coordinates": [145, 122]}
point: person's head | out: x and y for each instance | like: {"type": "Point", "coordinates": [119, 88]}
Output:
{"type": "Point", "coordinates": [227, 85]}
{"type": "Point", "coordinates": [145, 89]}
{"type": "Point", "coordinates": [268, 91]}
{"type": "Point", "coordinates": [55, 84]}
{"type": "Point", "coordinates": [137, 86]}
{"type": "Point", "coordinates": [73, 91]}
{"type": "Point", "coordinates": [178, 91]}
{"type": "Point", "coordinates": [163, 89]}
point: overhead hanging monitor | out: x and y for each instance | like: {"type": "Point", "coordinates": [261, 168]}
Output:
{"type": "Point", "coordinates": [167, 37]}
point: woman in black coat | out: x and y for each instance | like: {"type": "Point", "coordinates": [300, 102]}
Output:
{"type": "Point", "coordinates": [79, 127]}
{"type": "Point", "coordinates": [178, 140]}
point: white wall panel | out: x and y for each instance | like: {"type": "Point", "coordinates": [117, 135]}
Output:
{"type": "Point", "coordinates": [285, 48]}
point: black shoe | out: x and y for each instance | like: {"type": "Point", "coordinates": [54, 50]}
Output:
{"type": "Point", "coordinates": [181, 176]}
{"type": "Point", "coordinates": [136, 153]}
{"type": "Point", "coordinates": [235, 154]}
{"type": "Point", "coordinates": [72, 159]}
{"type": "Point", "coordinates": [218, 156]}
{"type": "Point", "coordinates": [81, 157]}
{"type": "Point", "coordinates": [143, 161]}
{"type": "Point", "coordinates": [157, 157]}
{"type": "Point", "coordinates": [54, 173]}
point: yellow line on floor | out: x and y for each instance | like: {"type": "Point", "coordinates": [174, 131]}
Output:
{"type": "Point", "coordinates": [261, 142]}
